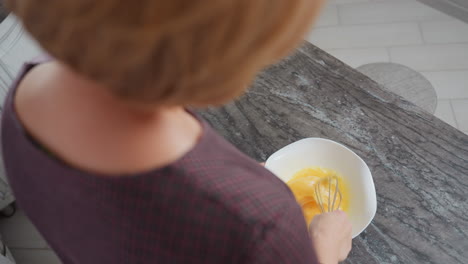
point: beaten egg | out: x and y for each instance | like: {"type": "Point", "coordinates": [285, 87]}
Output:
{"type": "Point", "coordinates": [302, 184]}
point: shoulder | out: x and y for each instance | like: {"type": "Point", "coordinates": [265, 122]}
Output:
{"type": "Point", "coordinates": [277, 231]}
{"type": "Point", "coordinates": [84, 125]}
{"type": "Point", "coordinates": [45, 108]}
{"type": "Point", "coordinates": [40, 108]}
{"type": "Point", "coordinates": [31, 101]}
{"type": "Point", "coordinates": [242, 210]}
{"type": "Point", "coordinates": [242, 187]}
{"type": "Point", "coordinates": [265, 212]}
{"type": "Point", "coordinates": [29, 93]}
{"type": "Point", "coordinates": [34, 93]}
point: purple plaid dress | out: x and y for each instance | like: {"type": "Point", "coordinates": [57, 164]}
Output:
{"type": "Point", "coordinates": [214, 205]}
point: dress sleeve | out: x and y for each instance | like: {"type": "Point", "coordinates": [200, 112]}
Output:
{"type": "Point", "coordinates": [284, 240]}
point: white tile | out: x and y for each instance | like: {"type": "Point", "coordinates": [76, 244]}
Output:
{"type": "Point", "coordinates": [358, 57]}
{"type": "Point", "coordinates": [449, 84]}
{"type": "Point", "coordinates": [6, 24]}
{"type": "Point", "coordinates": [445, 31]}
{"type": "Point", "coordinates": [363, 36]}
{"type": "Point", "coordinates": [24, 49]}
{"type": "Point", "coordinates": [18, 232]}
{"type": "Point", "coordinates": [328, 16]}
{"type": "Point", "coordinates": [35, 256]}
{"type": "Point", "coordinates": [16, 45]}
{"type": "Point", "coordinates": [388, 11]}
{"type": "Point", "coordinates": [9, 28]}
{"type": "Point", "coordinates": [432, 57]}
{"type": "Point", "coordinates": [460, 107]}
{"type": "Point", "coordinates": [6, 78]}
{"type": "Point", "coordinates": [444, 112]}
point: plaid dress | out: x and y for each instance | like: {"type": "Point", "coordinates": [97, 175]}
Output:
{"type": "Point", "coordinates": [214, 205]}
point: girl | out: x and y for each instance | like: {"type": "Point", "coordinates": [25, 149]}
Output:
{"type": "Point", "coordinates": [110, 165]}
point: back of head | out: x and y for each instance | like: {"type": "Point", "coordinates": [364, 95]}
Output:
{"type": "Point", "coordinates": [176, 52]}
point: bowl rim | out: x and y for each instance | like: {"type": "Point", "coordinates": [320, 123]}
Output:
{"type": "Point", "coordinates": [374, 193]}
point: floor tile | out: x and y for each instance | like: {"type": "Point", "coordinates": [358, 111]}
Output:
{"type": "Point", "coordinates": [35, 256]}
{"type": "Point", "coordinates": [432, 57]}
{"type": "Point", "coordinates": [16, 45]}
{"type": "Point", "coordinates": [25, 49]}
{"type": "Point", "coordinates": [358, 57]}
{"type": "Point", "coordinates": [6, 78]}
{"type": "Point", "coordinates": [387, 12]}
{"type": "Point", "coordinates": [449, 84]}
{"type": "Point", "coordinates": [445, 31]}
{"type": "Point", "coordinates": [18, 232]}
{"type": "Point", "coordinates": [445, 113]}
{"type": "Point", "coordinates": [363, 36]}
{"type": "Point", "coordinates": [460, 108]}
{"type": "Point", "coordinates": [328, 16]}
{"type": "Point", "coordinates": [10, 28]}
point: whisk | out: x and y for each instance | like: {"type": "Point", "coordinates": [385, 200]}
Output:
{"type": "Point", "coordinates": [329, 183]}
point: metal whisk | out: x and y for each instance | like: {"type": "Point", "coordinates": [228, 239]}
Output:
{"type": "Point", "coordinates": [330, 183]}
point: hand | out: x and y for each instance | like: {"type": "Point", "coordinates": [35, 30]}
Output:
{"type": "Point", "coordinates": [331, 236]}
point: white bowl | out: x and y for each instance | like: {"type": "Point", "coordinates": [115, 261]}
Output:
{"type": "Point", "coordinates": [312, 152]}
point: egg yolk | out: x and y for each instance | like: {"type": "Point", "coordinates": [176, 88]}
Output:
{"type": "Point", "coordinates": [303, 183]}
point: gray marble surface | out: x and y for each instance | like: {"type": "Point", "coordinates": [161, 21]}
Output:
{"type": "Point", "coordinates": [419, 163]}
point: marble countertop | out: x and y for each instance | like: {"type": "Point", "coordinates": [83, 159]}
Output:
{"type": "Point", "coordinates": [419, 163]}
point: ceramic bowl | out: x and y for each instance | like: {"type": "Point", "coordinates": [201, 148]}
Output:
{"type": "Point", "coordinates": [313, 152]}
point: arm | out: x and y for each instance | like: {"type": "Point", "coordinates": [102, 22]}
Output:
{"type": "Point", "coordinates": [287, 241]}
{"type": "Point", "coordinates": [284, 240]}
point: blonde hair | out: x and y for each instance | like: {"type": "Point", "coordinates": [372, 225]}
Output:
{"type": "Point", "coordinates": [172, 52]}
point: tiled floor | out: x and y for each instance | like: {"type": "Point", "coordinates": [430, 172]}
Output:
{"type": "Point", "coordinates": [355, 31]}
{"type": "Point", "coordinates": [25, 242]}
{"type": "Point", "coordinates": [406, 32]}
